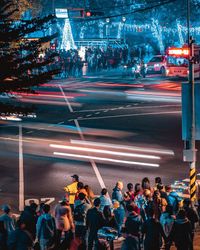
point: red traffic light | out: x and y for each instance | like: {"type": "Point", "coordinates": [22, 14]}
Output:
{"type": "Point", "coordinates": [88, 13]}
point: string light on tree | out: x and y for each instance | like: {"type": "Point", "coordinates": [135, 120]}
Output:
{"type": "Point", "coordinates": [157, 32]}
{"type": "Point", "coordinates": [67, 38]}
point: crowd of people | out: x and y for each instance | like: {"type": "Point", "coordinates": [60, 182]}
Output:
{"type": "Point", "coordinates": [144, 216]}
{"type": "Point", "coordinates": [95, 59]}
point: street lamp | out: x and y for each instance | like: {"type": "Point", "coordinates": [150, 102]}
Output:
{"type": "Point", "coordinates": [124, 20]}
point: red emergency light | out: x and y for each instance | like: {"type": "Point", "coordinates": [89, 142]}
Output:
{"type": "Point", "coordinates": [178, 52]}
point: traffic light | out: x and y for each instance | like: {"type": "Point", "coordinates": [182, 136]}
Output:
{"type": "Point", "coordinates": [89, 13]}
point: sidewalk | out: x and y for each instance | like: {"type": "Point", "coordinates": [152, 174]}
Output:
{"type": "Point", "coordinates": [196, 240]}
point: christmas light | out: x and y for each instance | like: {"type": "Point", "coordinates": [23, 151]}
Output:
{"type": "Point", "coordinates": [67, 38]}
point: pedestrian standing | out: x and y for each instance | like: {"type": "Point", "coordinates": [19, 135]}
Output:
{"type": "Point", "coordinates": [20, 238]}
{"type": "Point", "coordinates": [94, 221]}
{"type": "Point", "coordinates": [81, 206]}
{"type": "Point", "coordinates": [64, 223]}
{"type": "Point", "coordinates": [7, 225]}
{"type": "Point", "coordinates": [153, 232]}
{"type": "Point", "coordinates": [120, 211]}
{"type": "Point", "coordinates": [181, 232]}
{"type": "Point", "coordinates": [71, 190]}
{"type": "Point", "coordinates": [46, 229]}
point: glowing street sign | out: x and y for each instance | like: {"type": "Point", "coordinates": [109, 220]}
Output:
{"type": "Point", "coordinates": [178, 51]}
{"type": "Point", "coordinates": [61, 13]}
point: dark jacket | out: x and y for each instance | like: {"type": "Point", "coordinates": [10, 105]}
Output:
{"type": "Point", "coordinates": [94, 220]}
{"type": "Point", "coordinates": [181, 234]}
{"type": "Point", "coordinates": [20, 240]}
{"type": "Point", "coordinates": [152, 229]}
{"type": "Point", "coordinates": [30, 219]}
{"type": "Point", "coordinates": [192, 216]}
{"type": "Point", "coordinates": [133, 224]}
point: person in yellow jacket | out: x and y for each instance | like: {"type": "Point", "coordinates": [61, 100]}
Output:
{"type": "Point", "coordinates": [71, 190]}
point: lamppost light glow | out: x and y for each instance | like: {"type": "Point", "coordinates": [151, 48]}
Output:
{"type": "Point", "coordinates": [123, 19]}
{"type": "Point", "coordinates": [107, 20]}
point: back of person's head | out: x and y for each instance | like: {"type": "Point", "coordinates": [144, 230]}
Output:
{"type": "Point", "coordinates": [46, 208]}
{"type": "Point", "coordinates": [107, 211]}
{"type": "Point", "coordinates": [137, 187]}
{"type": "Point", "coordinates": [80, 185]}
{"type": "Point", "coordinates": [160, 186]}
{"type": "Point", "coordinates": [181, 214]}
{"type": "Point", "coordinates": [33, 206]}
{"type": "Point", "coordinates": [130, 186]}
{"type": "Point", "coordinates": [97, 202]}
{"type": "Point", "coordinates": [6, 208]}
{"type": "Point", "coordinates": [158, 180]}
{"type": "Point", "coordinates": [186, 202]}
{"type": "Point", "coordinates": [81, 196]}
{"type": "Point", "coordinates": [104, 191]}
{"type": "Point", "coordinates": [169, 209]}
{"type": "Point", "coordinates": [145, 183]}
{"type": "Point", "coordinates": [168, 188]}
{"type": "Point", "coordinates": [64, 201]}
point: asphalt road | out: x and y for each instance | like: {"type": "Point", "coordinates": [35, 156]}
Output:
{"type": "Point", "coordinates": [104, 128]}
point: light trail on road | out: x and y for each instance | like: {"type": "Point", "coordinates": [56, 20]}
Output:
{"type": "Point", "coordinates": [81, 157]}
{"type": "Point", "coordinates": [124, 147]}
{"type": "Point", "coordinates": [104, 151]}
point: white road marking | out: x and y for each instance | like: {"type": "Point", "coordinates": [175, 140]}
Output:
{"type": "Point", "coordinates": [125, 147]}
{"type": "Point", "coordinates": [107, 159]}
{"type": "Point", "coordinates": [29, 132]}
{"type": "Point", "coordinates": [128, 115]}
{"type": "Point", "coordinates": [94, 166]}
{"type": "Point", "coordinates": [21, 171]}
{"type": "Point", "coordinates": [68, 104]}
{"type": "Point", "coordinates": [104, 151]}
{"type": "Point", "coordinates": [128, 107]}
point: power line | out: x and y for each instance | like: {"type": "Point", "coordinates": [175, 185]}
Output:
{"type": "Point", "coordinates": [129, 13]}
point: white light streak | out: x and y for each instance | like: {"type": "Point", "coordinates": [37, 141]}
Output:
{"type": "Point", "coordinates": [107, 159]}
{"type": "Point", "coordinates": [104, 151]}
{"type": "Point", "coordinates": [124, 147]}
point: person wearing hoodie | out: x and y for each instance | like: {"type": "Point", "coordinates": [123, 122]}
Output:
{"type": "Point", "coordinates": [167, 221]}
{"type": "Point", "coordinates": [46, 229]}
{"type": "Point", "coordinates": [120, 211]}
{"type": "Point", "coordinates": [181, 232]}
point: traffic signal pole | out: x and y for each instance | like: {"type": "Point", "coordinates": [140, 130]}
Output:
{"type": "Point", "coordinates": [190, 145]}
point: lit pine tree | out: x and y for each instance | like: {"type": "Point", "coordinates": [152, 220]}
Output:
{"type": "Point", "coordinates": [21, 68]}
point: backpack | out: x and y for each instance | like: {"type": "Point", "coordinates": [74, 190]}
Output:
{"type": "Point", "coordinates": [79, 213]}
{"type": "Point", "coordinates": [48, 228]}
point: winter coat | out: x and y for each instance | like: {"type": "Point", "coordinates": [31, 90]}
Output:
{"type": "Point", "coordinates": [153, 232]}
{"type": "Point", "coordinates": [63, 217]}
{"type": "Point", "coordinates": [181, 234]}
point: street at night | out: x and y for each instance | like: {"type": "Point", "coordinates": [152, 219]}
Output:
{"type": "Point", "coordinates": [99, 125]}
{"type": "Point", "coordinates": [113, 128]}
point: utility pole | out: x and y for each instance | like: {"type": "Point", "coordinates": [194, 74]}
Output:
{"type": "Point", "coordinates": [190, 150]}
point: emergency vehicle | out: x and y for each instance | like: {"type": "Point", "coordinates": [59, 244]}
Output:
{"type": "Point", "coordinates": [177, 62]}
